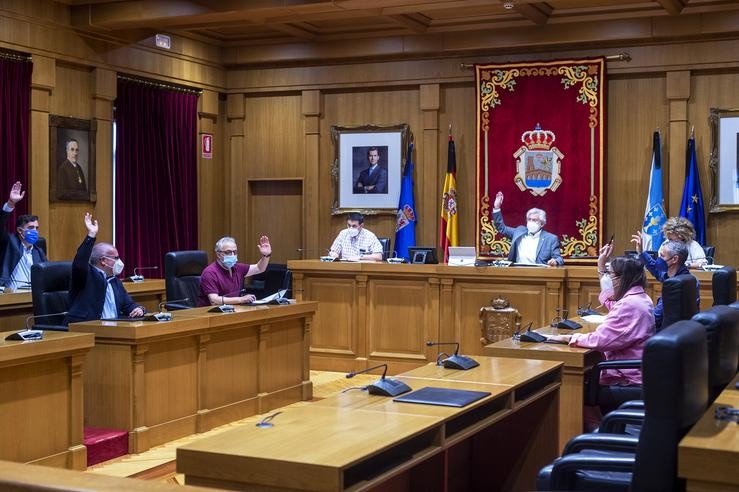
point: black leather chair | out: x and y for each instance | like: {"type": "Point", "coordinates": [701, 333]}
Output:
{"type": "Point", "coordinates": [722, 332]}
{"type": "Point", "coordinates": [385, 242]}
{"type": "Point", "coordinates": [50, 293]}
{"type": "Point", "coordinates": [273, 279]}
{"type": "Point", "coordinates": [675, 379]}
{"type": "Point", "coordinates": [710, 251]}
{"type": "Point", "coordinates": [679, 298]}
{"type": "Point", "coordinates": [41, 244]}
{"type": "Point", "coordinates": [182, 271]}
{"type": "Point", "coordinates": [724, 286]}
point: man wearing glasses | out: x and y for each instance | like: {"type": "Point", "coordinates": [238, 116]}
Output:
{"type": "Point", "coordinates": [222, 280]}
{"type": "Point", "coordinates": [96, 292]}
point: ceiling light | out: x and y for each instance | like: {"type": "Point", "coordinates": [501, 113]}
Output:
{"type": "Point", "coordinates": [508, 5]}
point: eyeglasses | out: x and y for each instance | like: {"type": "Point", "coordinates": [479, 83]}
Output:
{"type": "Point", "coordinates": [112, 257]}
{"type": "Point", "coordinates": [229, 252]}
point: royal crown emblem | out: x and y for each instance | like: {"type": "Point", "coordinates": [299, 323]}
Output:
{"type": "Point", "coordinates": [538, 162]}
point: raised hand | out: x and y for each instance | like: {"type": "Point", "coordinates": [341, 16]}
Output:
{"type": "Point", "coordinates": [92, 225]}
{"type": "Point", "coordinates": [16, 194]}
{"type": "Point", "coordinates": [498, 200]}
{"type": "Point", "coordinates": [264, 247]}
{"type": "Point", "coordinates": [637, 239]}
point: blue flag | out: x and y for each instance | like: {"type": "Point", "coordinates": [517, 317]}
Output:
{"type": "Point", "coordinates": [691, 206]}
{"type": "Point", "coordinates": [405, 229]}
{"type": "Point", "coordinates": [654, 214]}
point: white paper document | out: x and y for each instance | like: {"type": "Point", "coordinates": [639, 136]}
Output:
{"type": "Point", "coordinates": [594, 318]}
{"type": "Point", "coordinates": [277, 295]}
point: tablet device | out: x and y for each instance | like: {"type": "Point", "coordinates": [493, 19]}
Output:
{"type": "Point", "coordinates": [445, 397]}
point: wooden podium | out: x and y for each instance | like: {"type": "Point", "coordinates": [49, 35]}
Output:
{"type": "Point", "coordinates": [165, 380]}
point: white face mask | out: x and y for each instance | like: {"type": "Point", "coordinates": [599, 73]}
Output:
{"type": "Point", "coordinates": [533, 226]}
{"type": "Point", "coordinates": [606, 283]}
{"type": "Point", "coordinates": [117, 267]}
{"type": "Point", "coordinates": [354, 232]}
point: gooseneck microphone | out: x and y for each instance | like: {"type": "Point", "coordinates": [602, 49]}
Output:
{"type": "Point", "coordinates": [28, 333]}
{"type": "Point", "coordinates": [164, 303]}
{"type": "Point", "coordinates": [139, 278]}
{"type": "Point", "coordinates": [383, 386]}
{"type": "Point", "coordinates": [454, 361]}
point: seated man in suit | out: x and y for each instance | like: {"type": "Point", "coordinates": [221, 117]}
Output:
{"type": "Point", "coordinates": [530, 244]}
{"type": "Point", "coordinates": [374, 178]}
{"type": "Point", "coordinates": [355, 242]}
{"type": "Point", "coordinates": [19, 251]}
{"type": "Point", "coordinates": [222, 280]}
{"type": "Point", "coordinates": [96, 292]}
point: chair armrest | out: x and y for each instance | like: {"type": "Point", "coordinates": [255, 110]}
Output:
{"type": "Point", "coordinates": [615, 421]}
{"type": "Point", "coordinates": [38, 326]}
{"type": "Point", "coordinates": [564, 468]}
{"type": "Point", "coordinates": [632, 405]}
{"type": "Point", "coordinates": [591, 395]}
{"type": "Point", "coordinates": [602, 442]}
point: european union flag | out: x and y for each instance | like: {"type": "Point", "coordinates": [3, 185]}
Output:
{"type": "Point", "coordinates": [405, 230]}
{"type": "Point", "coordinates": [654, 214]}
{"type": "Point", "coordinates": [691, 206]}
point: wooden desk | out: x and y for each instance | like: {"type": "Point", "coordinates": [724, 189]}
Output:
{"type": "Point", "coordinates": [15, 307]}
{"type": "Point", "coordinates": [577, 361]}
{"type": "Point", "coordinates": [355, 441]}
{"type": "Point", "coordinates": [709, 454]}
{"type": "Point", "coordinates": [375, 313]}
{"type": "Point", "coordinates": [162, 381]}
{"type": "Point", "coordinates": [41, 399]}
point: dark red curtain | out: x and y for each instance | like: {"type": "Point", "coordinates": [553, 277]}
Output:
{"type": "Point", "coordinates": [15, 107]}
{"type": "Point", "coordinates": [156, 176]}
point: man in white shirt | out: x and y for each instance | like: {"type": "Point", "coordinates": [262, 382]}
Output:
{"type": "Point", "coordinates": [355, 242]}
{"type": "Point", "coordinates": [530, 244]}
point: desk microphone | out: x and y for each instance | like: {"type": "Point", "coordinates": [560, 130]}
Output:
{"type": "Point", "coordinates": [26, 283]}
{"type": "Point", "coordinates": [586, 311]}
{"type": "Point", "coordinates": [28, 333]}
{"type": "Point", "coordinates": [139, 278]}
{"type": "Point", "coordinates": [383, 386]}
{"type": "Point", "coordinates": [222, 307]}
{"type": "Point", "coordinates": [395, 258]}
{"type": "Point", "coordinates": [531, 336]}
{"type": "Point", "coordinates": [454, 361]}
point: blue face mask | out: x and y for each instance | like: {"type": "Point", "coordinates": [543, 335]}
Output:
{"type": "Point", "coordinates": [229, 260]}
{"type": "Point", "coordinates": [30, 236]}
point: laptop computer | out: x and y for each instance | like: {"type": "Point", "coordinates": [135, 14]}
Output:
{"type": "Point", "coordinates": [462, 255]}
{"type": "Point", "coordinates": [442, 396]}
{"type": "Point", "coordinates": [276, 298]}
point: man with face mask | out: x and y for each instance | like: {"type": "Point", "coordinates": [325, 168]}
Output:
{"type": "Point", "coordinates": [670, 261]}
{"type": "Point", "coordinates": [222, 280]}
{"type": "Point", "coordinates": [96, 292]}
{"type": "Point", "coordinates": [355, 242]}
{"type": "Point", "coordinates": [530, 244]}
{"type": "Point", "coordinates": [18, 252]}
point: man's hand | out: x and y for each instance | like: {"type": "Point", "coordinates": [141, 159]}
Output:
{"type": "Point", "coordinates": [247, 299]}
{"type": "Point", "coordinates": [498, 200]}
{"type": "Point", "coordinates": [552, 262]}
{"type": "Point", "coordinates": [136, 313]}
{"type": "Point", "coordinates": [264, 247]}
{"type": "Point", "coordinates": [369, 188]}
{"type": "Point", "coordinates": [333, 254]}
{"type": "Point", "coordinates": [16, 194]}
{"type": "Point", "coordinates": [638, 240]}
{"type": "Point", "coordinates": [92, 225]}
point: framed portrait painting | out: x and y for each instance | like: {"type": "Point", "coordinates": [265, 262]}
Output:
{"type": "Point", "coordinates": [724, 161]}
{"type": "Point", "coordinates": [72, 159]}
{"type": "Point", "coordinates": [367, 168]}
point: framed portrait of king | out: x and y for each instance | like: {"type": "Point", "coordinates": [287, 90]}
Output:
{"type": "Point", "coordinates": [724, 162]}
{"type": "Point", "coordinates": [72, 159]}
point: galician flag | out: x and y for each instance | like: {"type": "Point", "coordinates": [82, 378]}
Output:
{"type": "Point", "coordinates": [654, 213]}
{"type": "Point", "coordinates": [405, 229]}
{"type": "Point", "coordinates": [448, 227]}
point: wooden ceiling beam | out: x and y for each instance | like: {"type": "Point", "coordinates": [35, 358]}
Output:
{"type": "Point", "coordinates": [538, 12]}
{"type": "Point", "coordinates": [411, 23]}
{"type": "Point", "coordinates": [293, 30]}
{"type": "Point", "coordinates": [673, 7]}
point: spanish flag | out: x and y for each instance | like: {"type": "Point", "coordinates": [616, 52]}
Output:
{"type": "Point", "coordinates": [448, 227]}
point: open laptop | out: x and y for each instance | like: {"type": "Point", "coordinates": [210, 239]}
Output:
{"type": "Point", "coordinates": [276, 298]}
{"type": "Point", "coordinates": [462, 255]}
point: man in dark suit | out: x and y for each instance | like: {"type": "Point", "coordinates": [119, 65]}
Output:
{"type": "Point", "coordinates": [530, 244]}
{"type": "Point", "coordinates": [70, 179]}
{"type": "Point", "coordinates": [96, 291]}
{"type": "Point", "coordinates": [374, 178]}
{"type": "Point", "coordinates": [18, 252]}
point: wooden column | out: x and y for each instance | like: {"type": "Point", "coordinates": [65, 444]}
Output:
{"type": "Point", "coordinates": [104, 91]}
{"type": "Point", "coordinates": [236, 192]}
{"type": "Point", "coordinates": [201, 422]}
{"type": "Point", "coordinates": [678, 93]}
{"type": "Point", "coordinates": [446, 311]}
{"type": "Point", "coordinates": [262, 378]}
{"type": "Point", "coordinates": [428, 171]}
{"type": "Point", "coordinates": [311, 109]}
{"type": "Point", "coordinates": [307, 393]}
{"type": "Point", "coordinates": [210, 201]}
{"type": "Point", "coordinates": [138, 438]}
{"type": "Point", "coordinates": [362, 348]}
{"type": "Point", "coordinates": [77, 450]}
{"type": "Point", "coordinates": [43, 81]}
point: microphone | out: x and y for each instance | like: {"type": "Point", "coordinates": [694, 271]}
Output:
{"type": "Point", "coordinates": [222, 307]}
{"type": "Point", "coordinates": [13, 280]}
{"type": "Point", "coordinates": [587, 311]}
{"type": "Point", "coordinates": [395, 258]}
{"type": "Point", "coordinates": [164, 303]}
{"type": "Point", "coordinates": [139, 278]}
{"type": "Point", "coordinates": [323, 253]}
{"type": "Point", "coordinates": [30, 334]}
{"type": "Point", "coordinates": [454, 361]}
{"type": "Point", "coordinates": [531, 336]}
{"type": "Point", "coordinates": [383, 386]}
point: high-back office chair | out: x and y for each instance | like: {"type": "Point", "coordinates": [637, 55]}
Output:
{"type": "Point", "coordinates": [385, 242]}
{"type": "Point", "coordinates": [182, 271]}
{"type": "Point", "coordinates": [679, 298]}
{"type": "Point", "coordinates": [50, 293]}
{"type": "Point", "coordinates": [724, 286]}
{"type": "Point", "coordinates": [722, 332]}
{"type": "Point", "coordinates": [41, 244]}
{"type": "Point", "coordinates": [710, 251]}
{"type": "Point", "coordinates": [675, 379]}
{"type": "Point", "coordinates": [269, 281]}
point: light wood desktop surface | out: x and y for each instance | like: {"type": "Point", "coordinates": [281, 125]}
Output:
{"type": "Point", "coordinates": [165, 380]}
{"type": "Point", "coordinates": [708, 456]}
{"type": "Point", "coordinates": [356, 441]}
{"type": "Point", "coordinates": [577, 361]}
{"type": "Point", "coordinates": [41, 408]}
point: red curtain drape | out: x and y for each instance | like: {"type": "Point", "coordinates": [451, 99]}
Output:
{"type": "Point", "coordinates": [156, 176]}
{"type": "Point", "coordinates": [15, 107]}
